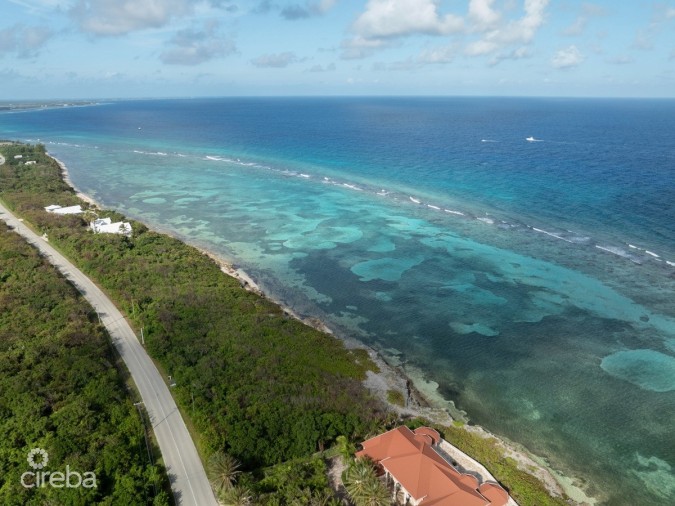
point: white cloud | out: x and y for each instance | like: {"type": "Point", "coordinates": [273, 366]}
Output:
{"type": "Point", "coordinates": [385, 20]}
{"type": "Point", "coordinates": [309, 9]}
{"type": "Point", "coordinates": [524, 29]}
{"type": "Point", "coordinates": [588, 11]}
{"type": "Point", "coordinates": [25, 41]}
{"type": "Point", "coordinates": [643, 40]}
{"type": "Point", "coordinates": [518, 31]}
{"type": "Point", "coordinates": [443, 54]}
{"type": "Point", "coordinates": [320, 68]}
{"type": "Point", "coordinates": [517, 54]}
{"type": "Point", "coordinates": [192, 47]}
{"type": "Point", "coordinates": [481, 47]}
{"type": "Point", "coordinates": [117, 17]}
{"type": "Point", "coordinates": [361, 47]}
{"type": "Point", "coordinates": [567, 58]}
{"type": "Point", "coordinates": [42, 6]}
{"type": "Point", "coordinates": [394, 18]}
{"type": "Point", "coordinates": [279, 60]}
{"type": "Point", "coordinates": [482, 15]}
{"type": "Point", "coordinates": [644, 37]}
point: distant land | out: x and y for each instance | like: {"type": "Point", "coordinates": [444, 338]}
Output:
{"type": "Point", "coordinates": [44, 104]}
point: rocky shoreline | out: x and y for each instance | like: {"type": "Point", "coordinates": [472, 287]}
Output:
{"type": "Point", "coordinates": [420, 394]}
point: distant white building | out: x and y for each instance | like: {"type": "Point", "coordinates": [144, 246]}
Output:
{"type": "Point", "coordinates": [106, 226]}
{"type": "Point", "coordinates": [57, 209]}
{"type": "Point", "coordinates": [17, 157]}
{"type": "Point", "coordinates": [30, 162]}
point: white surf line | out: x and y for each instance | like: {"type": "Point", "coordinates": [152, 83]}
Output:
{"type": "Point", "coordinates": [551, 234]}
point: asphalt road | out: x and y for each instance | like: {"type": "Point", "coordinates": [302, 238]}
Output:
{"type": "Point", "coordinates": [189, 483]}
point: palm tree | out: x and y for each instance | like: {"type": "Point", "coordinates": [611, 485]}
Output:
{"type": "Point", "coordinates": [358, 479]}
{"type": "Point", "coordinates": [324, 499]}
{"type": "Point", "coordinates": [237, 496]}
{"type": "Point", "coordinates": [223, 470]}
{"type": "Point", "coordinates": [375, 494]}
{"type": "Point", "coordinates": [345, 448]}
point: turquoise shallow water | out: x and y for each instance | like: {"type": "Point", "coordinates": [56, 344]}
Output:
{"type": "Point", "coordinates": [533, 281]}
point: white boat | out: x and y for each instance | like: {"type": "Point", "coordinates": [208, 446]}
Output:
{"type": "Point", "coordinates": [530, 139]}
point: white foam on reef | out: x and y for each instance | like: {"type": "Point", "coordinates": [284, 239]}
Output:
{"type": "Point", "coordinates": [614, 250]}
{"type": "Point", "coordinates": [653, 255]}
{"type": "Point", "coordinates": [151, 153]}
{"type": "Point", "coordinates": [542, 231]}
{"type": "Point", "coordinates": [69, 144]}
{"type": "Point", "coordinates": [516, 225]}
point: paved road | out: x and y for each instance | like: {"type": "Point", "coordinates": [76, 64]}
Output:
{"type": "Point", "coordinates": [188, 479]}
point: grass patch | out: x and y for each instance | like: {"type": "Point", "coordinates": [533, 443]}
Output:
{"type": "Point", "coordinates": [395, 397]}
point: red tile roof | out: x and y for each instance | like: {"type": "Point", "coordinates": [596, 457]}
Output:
{"type": "Point", "coordinates": [410, 459]}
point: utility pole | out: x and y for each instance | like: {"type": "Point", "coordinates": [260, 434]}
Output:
{"type": "Point", "coordinates": [142, 337]}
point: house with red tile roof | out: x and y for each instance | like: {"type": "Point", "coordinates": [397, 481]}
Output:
{"type": "Point", "coordinates": [420, 476]}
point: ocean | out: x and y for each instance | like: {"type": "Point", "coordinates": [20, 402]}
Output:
{"type": "Point", "coordinates": [516, 257]}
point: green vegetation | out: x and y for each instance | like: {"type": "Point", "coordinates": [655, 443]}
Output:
{"type": "Point", "coordinates": [363, 485]}
{"type": "Point", "coordinates": [223, 471]}
{"type": "Point", "coordinates": [60, 391]}
{"type": "Point", "coordinates": [253, 384]}
{"type": "Point", "coordinates": [298, 481]}
{"type": "Point", "coordinates": [523, 487]}
{"type": "Point", "coordinates": [396, 397]}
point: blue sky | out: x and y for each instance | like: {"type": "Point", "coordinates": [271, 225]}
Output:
{"type": "Point", "coordinates": [158, 48]}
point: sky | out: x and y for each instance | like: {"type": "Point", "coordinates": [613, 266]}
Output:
{"type": "Point", "coordinates": [87, 49]}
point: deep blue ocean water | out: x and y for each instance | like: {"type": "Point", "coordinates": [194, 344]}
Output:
{"type": "Point", "coordinates": [530, 283]}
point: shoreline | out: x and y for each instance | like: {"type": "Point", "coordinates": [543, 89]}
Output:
{"type": "Point", "coordinates": [66, 177]}
{"type": "Point", "coordinates": [423, 398]}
